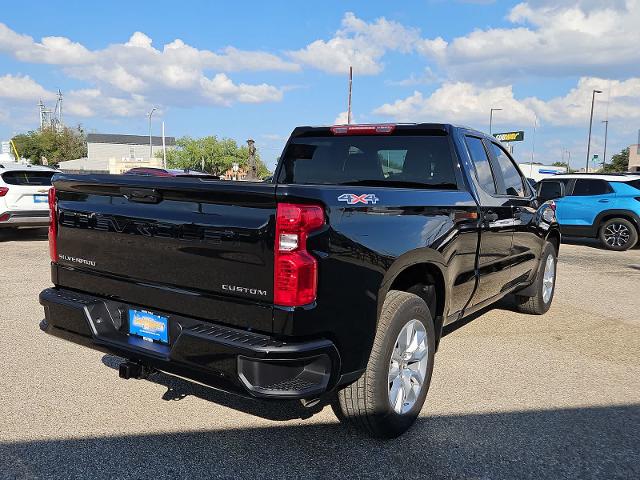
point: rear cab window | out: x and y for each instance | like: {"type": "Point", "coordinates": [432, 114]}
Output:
{"type": "Point", "coordinates": [411, 161]}
{"type": "Point", "coordinates": [26, 177]}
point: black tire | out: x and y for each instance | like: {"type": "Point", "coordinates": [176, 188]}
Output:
{"type": "Point", "coordinates": [537, 304]}
{"type": "Point", "coordinates": [618, 234]}
{"type": "Point", "coordinates": [366, 403]}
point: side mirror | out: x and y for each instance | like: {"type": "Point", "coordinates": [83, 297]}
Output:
{"type": "Point", "coordinates": [550, 190]}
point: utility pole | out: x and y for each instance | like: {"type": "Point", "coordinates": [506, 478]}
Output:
{"type": "Point", "coordinates": [164, 149]}
{"type": "Point", "coordinates": [606, 132]}
{"type": "Point", "coordinates": [491, 119]}
{"type": "Point", "coordinates": [593, 99]}
{"type": "Point", "coordinates": [150, 142]}
{"type": "Point", "coordinates": [533, 148]}
{"type": "Point", "coordinates": [349, 101]}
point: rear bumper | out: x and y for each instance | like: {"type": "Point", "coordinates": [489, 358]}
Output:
{"type": "Point", "coordinates": [222, 357]}
{"type": "Point", "coordinates": [24, 218]}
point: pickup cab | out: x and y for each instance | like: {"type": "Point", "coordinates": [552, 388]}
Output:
{"type": "Point", "coordinates": [332, 284]}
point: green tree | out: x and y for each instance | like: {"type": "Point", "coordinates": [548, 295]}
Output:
{"type": "Point", "coordinates": [563, 164]}
{"type": "Point", "coordinates": [54, 146]}
{"type": "Point", "coordinates": [214, 155]}
{"type": "Point", "coordinates": [619, 162]}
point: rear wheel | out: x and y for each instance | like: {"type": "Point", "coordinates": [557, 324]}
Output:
{"type": "Point", "coordinates": [618, 234]}
{"type": "Point", "coordinates": [388, 397]}
{"type": "Point", "coordinates": [545, 284]}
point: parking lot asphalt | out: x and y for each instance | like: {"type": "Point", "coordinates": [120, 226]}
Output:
{"type": "Point", "coordinates": [513, 396]}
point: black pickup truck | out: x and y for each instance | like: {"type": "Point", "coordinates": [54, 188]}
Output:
{"type": "Point", "coordinates": [331, 284]}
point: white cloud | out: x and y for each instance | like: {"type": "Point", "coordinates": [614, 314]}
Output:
{"type": "Point", "coordinates": [341, 119]}
{"type": "Point", "coordinates": [222, 91]}
{"type": "Point", "coordinates": [427, 77]}
{"type": "Point", "coordinates": [547, 38]}
{"type": "Point", "coordinates": [22, 88]}
{"type": "Point", "coordinates": [458, 103]}
{"type": "Point", "coordinates": [20, 93]}
{"type": "Point", "coordinates": [466, 103]}
{"type": "Point", "coordinates": [52, 50]}
{"type": "Point", "coordinates": [136, 72]}
{"type": "Point", "coordinates": [573, 108]}
{"type": "Point", "coordinates": [92, 102]}
{"type": "Point", "coordinates": [358, 44]}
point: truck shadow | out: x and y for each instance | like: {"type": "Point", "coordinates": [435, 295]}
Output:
{"type": "Point", "coordinates": [582, 443]}
{"type": "Point", "coordinates": [22, 234]}
{"type": "Point", "coordinates": [177, 389]}
{"type": "Point", "coordinates": [506, 303]}
{"type": "Point", "coordinates": [587, 242]}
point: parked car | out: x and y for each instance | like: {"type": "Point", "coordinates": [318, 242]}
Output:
{"type": "Point", "coordinates": [23, 195]}
{"type": "Point", "coordinates": [167, 172]}
{"type": "Point", "coordinates": [606, 206]}
{"type": "Point", "coordinates": [330, 285]}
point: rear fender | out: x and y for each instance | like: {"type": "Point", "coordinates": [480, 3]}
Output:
{"type": "Point", "coordinates": [410, 259]}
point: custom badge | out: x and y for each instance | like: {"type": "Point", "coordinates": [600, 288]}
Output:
{"type": "Point", "coordinates": [353, 199]}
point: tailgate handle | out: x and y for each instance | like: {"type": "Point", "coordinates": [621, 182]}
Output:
{"type": "Point", "coordinates": [141, 195]}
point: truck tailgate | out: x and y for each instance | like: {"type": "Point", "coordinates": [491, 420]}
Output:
{"type": "Point", "coordinates": [190, 236]}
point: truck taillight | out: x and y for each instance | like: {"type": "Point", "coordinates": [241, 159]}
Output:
{"type": "Point", "coordinates": [295, 269]}
{"type": "Point", "coordinates": [53, 225]}
{"type": "Point", "coordinates": [382, 129]}
{"type": "Point", "coordinates": [3, 191]}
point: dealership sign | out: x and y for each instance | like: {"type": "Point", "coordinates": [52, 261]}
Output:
{"type": "Point", "coordinates": [510, 136]}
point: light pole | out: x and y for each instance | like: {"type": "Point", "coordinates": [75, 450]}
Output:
{"type": "Point", "coordinates": [606, 132]}
{"type": "Point", "coordinates": [150, 143]}
{"type": "Point", "coordinates": [593, 99]}
{"type": "Point", "coordinates": [491, 118]}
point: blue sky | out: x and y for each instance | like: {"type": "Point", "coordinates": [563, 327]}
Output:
{"type": "Point", "coordinates": [258, 69]}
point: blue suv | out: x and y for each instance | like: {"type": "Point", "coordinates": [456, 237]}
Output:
{"type": "Point", "coordinates": [597, 206]}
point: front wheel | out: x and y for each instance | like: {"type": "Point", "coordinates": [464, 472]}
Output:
{"type": "Point", "coordinates": [618, 234]}
{"type": "Point", "coordinates": [544, 283]}
{"type": "Point", "coordinates": [387, 398]}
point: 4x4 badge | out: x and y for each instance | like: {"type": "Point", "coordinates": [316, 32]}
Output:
{"type": "Point", "coordinates": [352, 198]}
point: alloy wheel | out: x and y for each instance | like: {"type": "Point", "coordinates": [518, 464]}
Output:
{"type": "Point", "coordinates": [548, 278]}
{"type": "Point", "coordinates": [408, 366]}
{"type": "Point", "coordinates": [616, 235]}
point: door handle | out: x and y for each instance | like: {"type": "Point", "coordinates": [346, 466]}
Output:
{"type": "Point", "coordinates": [604, 200]}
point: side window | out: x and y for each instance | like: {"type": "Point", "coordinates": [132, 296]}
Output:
{"type": "Point", "coordinates": [512, 179]}
{"type": "Point", "coordinates": [586, 187]}
{"type": "Point", "coordinates": [482, 164]}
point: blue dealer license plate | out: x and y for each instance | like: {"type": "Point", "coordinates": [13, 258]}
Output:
{"type": "Point", "coordinates": [40, 199]}
{"type": "Point", "coordinates": [149, 325]}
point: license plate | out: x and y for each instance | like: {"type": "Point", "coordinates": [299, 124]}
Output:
{"type": "Point", "coordinates": [40, 199]}
{"type": "Point", "coordinates": [149, 326]}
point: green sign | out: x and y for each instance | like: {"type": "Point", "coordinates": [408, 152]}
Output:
{"type": "Point", "coordinates": [510, 136]}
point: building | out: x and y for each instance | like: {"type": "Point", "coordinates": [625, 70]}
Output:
{"type": "Point", "coordinates": [5, 152]}
{"type": "Point", "coordinates": [114, 153]}
{"type": "Point", "coordinates": [634, 158]}
{"type": "Point", "coordinates": [537, 171]}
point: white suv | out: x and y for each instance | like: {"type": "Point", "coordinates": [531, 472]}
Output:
{"type": "Point", "coordinates": [24, 195]}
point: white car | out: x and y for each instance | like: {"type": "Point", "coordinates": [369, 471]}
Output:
{"type": "Point", "coordinates": [24, 195]}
